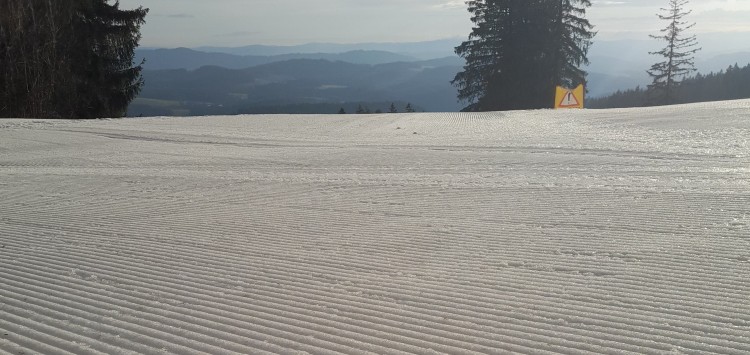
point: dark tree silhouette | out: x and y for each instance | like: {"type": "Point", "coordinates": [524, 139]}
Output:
{"type": "Point", "coordinates": [518, 51]}
{"type": "Point", "coordinates": [730, 84]}
{"type": "Point", "coordinates": [392, 109]}
{"type": "Point", "coordinates": [68, 59]}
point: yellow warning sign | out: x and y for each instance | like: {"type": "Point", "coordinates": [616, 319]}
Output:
{"type": "Point", "coordinates": [569, 98]}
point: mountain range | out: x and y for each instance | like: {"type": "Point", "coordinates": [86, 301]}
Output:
{"type": "Point", "coordinates": [216, 80]}
{"type": "Point", "coordinates": [186, 58]}
{"type": "Point", "coordinates": [419, 50]}
{"type": "Point", "coordinates": [218, 90]}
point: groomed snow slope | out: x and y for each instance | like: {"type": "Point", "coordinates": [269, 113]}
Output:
{"type": "Point", "coordinates": [614, 231]}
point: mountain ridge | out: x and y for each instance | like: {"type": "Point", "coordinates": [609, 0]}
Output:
{"type": "Point", "coordinates": [218, 90]}
{"type": "Point", "coordinates": [186, 58]}
{"type": "Point", "coordinates": [365, 73]}
{"type": "Point", "coordinates": [420, 50]}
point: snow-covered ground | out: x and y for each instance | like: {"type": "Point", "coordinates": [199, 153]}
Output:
{"type": "Point", "coordinates": [525, 232]}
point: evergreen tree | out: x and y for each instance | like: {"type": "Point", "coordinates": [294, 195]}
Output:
{"type": "Point", "coordinates": [341, 111]}
{"type": "Point", "coordinates": [104, 57]}
{"type": "Point", "coordinates": [574, 35]}
{"type": "Point", "coordinates": [68, 59]}
{"type": "Point", "coordinates": [482, 52]}
{"type": "Point", "coordinates": [628, 98]}
{"type": "Point", "coordinates": [678, 54]}
{"type": "Point", "coordinates": [360, 109]}
{"type": "Point", "coordinates": [409, 108]}
{"type": "Point", "coordinates": [392, 109]}
{"type": "Point", "coordinates": [519, 50]}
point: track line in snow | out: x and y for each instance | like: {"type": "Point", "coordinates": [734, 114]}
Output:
{"type": "Point", "coordinates": [522, 232]}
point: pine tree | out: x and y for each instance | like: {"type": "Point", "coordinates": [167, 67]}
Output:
{"type": "Point", "coordinates": [68, 59]}
{"type": "Point", "coordinates": [574, 34]}
{"type": "Point", "coordinates": [678, 54]}
{"type": "Point", "coordinates": [341, 111]}
{"type": "Point", "coordinates": [392, 109]}
{"type": "Point", "coordinates": [105, 58]}
{"type": "Point", "coordinates": [519, 51]}
{"type": "Point", "coordinates": [482, 52]}
{"type": "Point", "coordinates": [409, 108]}
{"type": "Point", "coordinates": [360, 110]}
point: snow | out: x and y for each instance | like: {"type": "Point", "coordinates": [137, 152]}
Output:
{"type": "Point", "coordinates": [593, 231]}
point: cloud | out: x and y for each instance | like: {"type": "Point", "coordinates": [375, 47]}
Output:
{"type": "Point", "coordinates": [179, 16]}
{"type": "Point", "coordinates": [721, 21]}
{"type": "Point", "coordinates": [450, 4]}
{"type": "Point", "coordinates": [238, 34]}
{"type": "Point", "coordinates": [200, 22]}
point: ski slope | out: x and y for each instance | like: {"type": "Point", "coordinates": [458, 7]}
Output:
{"type": "Point", "coordinates": [577, 232]}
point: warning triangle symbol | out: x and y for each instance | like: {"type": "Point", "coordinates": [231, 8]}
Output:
{"type": "Point", "coordinates": [569, 100]}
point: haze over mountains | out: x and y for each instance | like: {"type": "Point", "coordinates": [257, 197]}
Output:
{"type": "Point", "coordinates": [217, 90]}
{"type": "Point", "coordinates": [186, 58]}
{"type": "Point", "coordinates": [420, 50]}
{"type": "Point", "coordinates": [324, 77]}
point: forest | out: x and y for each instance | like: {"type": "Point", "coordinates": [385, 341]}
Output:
{"type": "Point", "coordinates": [77, 59]}
{"type": "Point", "coordinates": [68, 59]}
{"type": "Point", "coordinates": [730, 84]}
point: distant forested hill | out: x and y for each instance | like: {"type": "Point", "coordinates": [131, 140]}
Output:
{"type": "Point", "coordinates": [322, 76]}
{"type": "Point", "coordinates": [185, 58]}
{"type": "Point", "coordinates": [422, 50]}
{"type": "Point", "coordinates": [216, 90]}
{"type": "Point", "coordinates": [730, 84]}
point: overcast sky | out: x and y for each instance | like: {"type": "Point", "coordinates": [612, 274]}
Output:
{"type": "Point", "coordinates": [193, 23]}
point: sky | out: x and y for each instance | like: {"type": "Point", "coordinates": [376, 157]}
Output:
{"type": "Point", "coordinates": [194, 23]}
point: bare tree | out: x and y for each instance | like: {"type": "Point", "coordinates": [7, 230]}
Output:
{"type": "Point", "coordinates": [68, 59]}
{"type": "Point", "coordinates": [678, 54]}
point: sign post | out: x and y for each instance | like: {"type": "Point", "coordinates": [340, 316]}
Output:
{"type": "Point", "coordinates": [569, 98]}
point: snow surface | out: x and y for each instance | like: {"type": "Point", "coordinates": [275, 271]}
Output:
{"type": "Point", "coordinates": [612, 231]}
